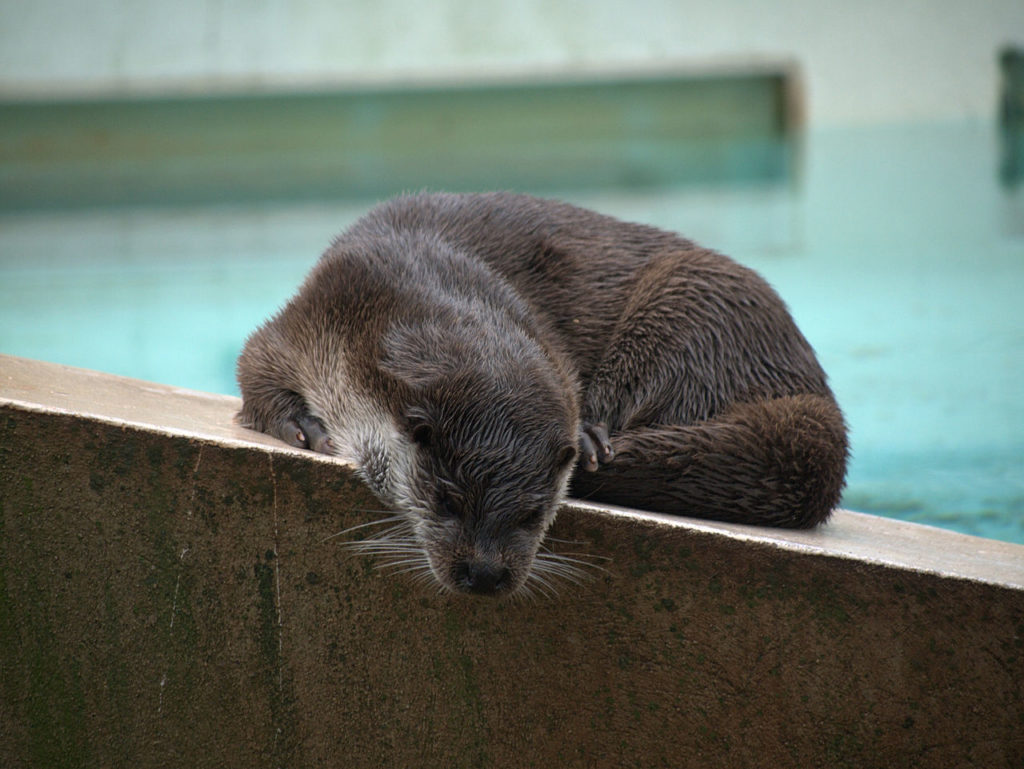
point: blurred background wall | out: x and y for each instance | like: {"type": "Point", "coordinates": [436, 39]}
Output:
{"type": "Point", "coordinates": [869, 61]}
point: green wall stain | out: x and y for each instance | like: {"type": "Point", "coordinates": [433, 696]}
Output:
{"type": "Point", "coordinates": [52, 704]}
{"type": "Point", "coordinates": [459, 671]}
{"type": "Point", "coordinates": [41, 682]}
{"type": "Point", "coordinates": [283, 744]}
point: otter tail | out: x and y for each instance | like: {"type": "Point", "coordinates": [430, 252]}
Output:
{"type": "Point", "coordinates": [778, 462]}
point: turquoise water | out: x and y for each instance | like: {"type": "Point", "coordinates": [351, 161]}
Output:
{"type": "Point", "coordinates": [897, 250]}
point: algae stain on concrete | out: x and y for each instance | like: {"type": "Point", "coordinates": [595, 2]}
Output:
{"type": "Point", "coordinates": [117, 676]}
{"type": "Point", "coordinates": [52, 703]}
{"type": "Point", "coordinates": [461, 676]}
{"type": "Point", "coordinates": [283, 744]}
{"type": "Point", "coordinates": [41, 685]}
{"type": "Point", "coordinates": [644, 551]}
{"type": "Point", "coordinates": [163, 559]}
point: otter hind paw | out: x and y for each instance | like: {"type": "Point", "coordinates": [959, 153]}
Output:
{"type": "Point", "coordinates": [595, 446]}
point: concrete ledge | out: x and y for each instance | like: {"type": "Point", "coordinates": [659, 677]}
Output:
{"type": "Point", "coordinates": [169, 596]}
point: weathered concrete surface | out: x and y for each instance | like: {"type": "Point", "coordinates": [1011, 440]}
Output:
{"type": "Point", "coordinates": [169, 599]}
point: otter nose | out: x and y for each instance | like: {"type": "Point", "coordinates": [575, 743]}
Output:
{"type": "Point", "coordinates": [481, 577]}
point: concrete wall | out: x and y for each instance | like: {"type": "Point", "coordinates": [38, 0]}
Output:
{"type": "Point", "coordinates": [169, 596]}
{"type": "Point", "coordinates": [868, 61]}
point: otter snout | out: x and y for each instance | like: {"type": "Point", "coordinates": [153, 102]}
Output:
{"type": "Point", "coordinates": [482, 577]}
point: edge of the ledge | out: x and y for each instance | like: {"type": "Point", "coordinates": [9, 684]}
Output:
{"type": "Point", "coordinates": [853, 536]}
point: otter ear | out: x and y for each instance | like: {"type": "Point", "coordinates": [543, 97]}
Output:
{"type": "Point", "coordinates": [419, 428]}
{"type": "Point", "coordinates": [422, 434]}
{"type": "Point", "coordinates": [566, 456]}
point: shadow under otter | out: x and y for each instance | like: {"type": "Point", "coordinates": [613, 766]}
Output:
{"type": "Point", "coordinates": [464, 351]}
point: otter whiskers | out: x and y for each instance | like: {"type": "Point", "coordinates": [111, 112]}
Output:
{"type": "Point", "coordinates": [551, 569]}
{"type": "Point", "coordinates": [398, 518]}
{"type": "Point", "coordinates": [396, 547]}
{"type": "Point", "coordinates": [397, 551]}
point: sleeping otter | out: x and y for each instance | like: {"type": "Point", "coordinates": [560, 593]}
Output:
{"type": "Point", "coordinates": [477, 357]}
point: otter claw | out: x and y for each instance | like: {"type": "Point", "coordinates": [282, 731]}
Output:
{"type": "Point", "coordinates": [595, 447]}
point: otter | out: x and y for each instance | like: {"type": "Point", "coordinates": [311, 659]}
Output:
{"type": "Point", "coordinates": [480, 357]}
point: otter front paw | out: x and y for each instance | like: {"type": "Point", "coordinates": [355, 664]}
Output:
{"type": "Point", "coordinates": [307, 432]}
{"type": "Point", "coordinates": [595, 447]}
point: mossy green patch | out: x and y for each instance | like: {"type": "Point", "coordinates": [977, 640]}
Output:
{"type": "Point", "coordinates": [283, 742]}
{"type": "Point", "coordinates": [54, 702]}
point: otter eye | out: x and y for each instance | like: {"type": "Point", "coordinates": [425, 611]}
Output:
{"type": "Point", "coordinates": [423, 434]}
{"type": "Point", "coordinates": [447, 507]}
{"type": "Point", "coordinates": [533, 518]}
{"type": "Point", "coordinates": [566, 457]}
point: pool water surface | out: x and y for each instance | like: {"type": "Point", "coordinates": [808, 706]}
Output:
{"type": "Point", "coordinates": [898, 251]}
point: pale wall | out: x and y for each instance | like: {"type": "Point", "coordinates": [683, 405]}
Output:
{"type": "Point", "coordinates": [869, 61]}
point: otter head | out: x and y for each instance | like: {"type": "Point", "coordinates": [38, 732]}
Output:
{"type": "Point", "coordinates": [488, 441]}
